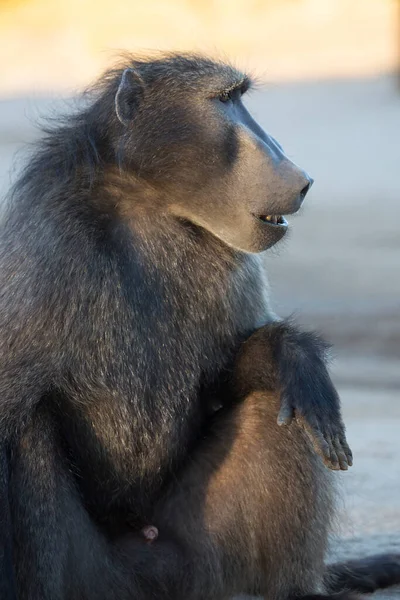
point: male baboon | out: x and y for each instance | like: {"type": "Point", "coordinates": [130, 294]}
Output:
{"type": "Point", "coordinates": [131, 277]}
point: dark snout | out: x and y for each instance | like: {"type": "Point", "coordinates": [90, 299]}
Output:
{"type": "Point", "coordinates": [285, 184]}
{"type": "Point", "coordinates": [263, 186]}
{"type": "Point", "coordinates": [293, 184]}
{"type": "Point", "coordinates": [305, 186]}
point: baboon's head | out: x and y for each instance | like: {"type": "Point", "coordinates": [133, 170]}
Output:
{"type": "Point", "coordinates": [182, 126]}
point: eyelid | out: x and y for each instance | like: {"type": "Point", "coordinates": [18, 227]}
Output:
{"type": "Point", "coordinates": [242, 87]}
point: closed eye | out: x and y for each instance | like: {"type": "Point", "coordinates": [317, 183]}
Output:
{"type": "Point", "coordinates": [234, 92]}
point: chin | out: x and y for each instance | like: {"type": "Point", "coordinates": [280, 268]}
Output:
{"type": "Point", "coordinates": [264, 235]}
{"type": "Point", "coordinates": [255, 236]}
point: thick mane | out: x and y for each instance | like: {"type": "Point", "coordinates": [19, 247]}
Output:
{"type": "Point", "coordinates": [72, 145]}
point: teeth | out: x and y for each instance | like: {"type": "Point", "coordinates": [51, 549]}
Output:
{"type": "Point", "coordinates": [272, 219]}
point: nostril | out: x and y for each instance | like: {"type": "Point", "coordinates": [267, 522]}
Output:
{"type": "Point", "coordinates": [304, 191]}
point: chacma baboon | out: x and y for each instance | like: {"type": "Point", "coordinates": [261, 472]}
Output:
{"type": "Point", "coordinates": [131, 277]}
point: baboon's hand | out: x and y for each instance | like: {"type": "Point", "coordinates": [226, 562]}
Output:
{"type": "Point", "coordinates": [280, 357]}
{"type": "Point", "coordinates": [317, 414]}
{"type": "Point", "coordinates": [309, 396]}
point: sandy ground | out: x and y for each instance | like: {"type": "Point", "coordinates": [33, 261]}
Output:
{"type": "Point", "coordinates": [339, 271]}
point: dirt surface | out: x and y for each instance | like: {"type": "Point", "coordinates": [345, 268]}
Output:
{"type": "Point", "coordinates": [339, 271]}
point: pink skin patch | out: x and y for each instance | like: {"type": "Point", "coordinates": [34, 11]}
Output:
{"type": "Point", "coordinates": [150, 533]}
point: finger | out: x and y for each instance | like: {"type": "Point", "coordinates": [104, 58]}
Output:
{"type": "Point", "coordinates": [347, 450]}
{"type": "Point", "coordinates": [333, 459]}
{"type": "Point", "coordinates": [333, 466]}
{"type": "Point", "coordinates": [319, 442]}
{"type": "Point", "coordinates": [340, 453]}
{"type": "Point", "coordinates": [323, 445]}
{"type": "Point", "coordinates": [286, 412]}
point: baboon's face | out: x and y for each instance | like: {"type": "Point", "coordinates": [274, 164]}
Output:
{"type": "Point", "coordinates": [190, 134]}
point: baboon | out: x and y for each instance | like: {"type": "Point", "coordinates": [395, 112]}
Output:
{"type": "Point", "coordinates": [145, 382]}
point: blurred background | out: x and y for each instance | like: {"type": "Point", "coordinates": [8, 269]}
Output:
{"type": "Point", "coordinates": [331, 95]}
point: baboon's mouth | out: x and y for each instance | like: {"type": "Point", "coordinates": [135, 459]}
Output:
{"type": "Point", "coordinates": [274, 220]}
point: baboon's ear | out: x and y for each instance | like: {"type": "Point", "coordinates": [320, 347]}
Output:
{"type": "Point", "coordinates": [128, 96]}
